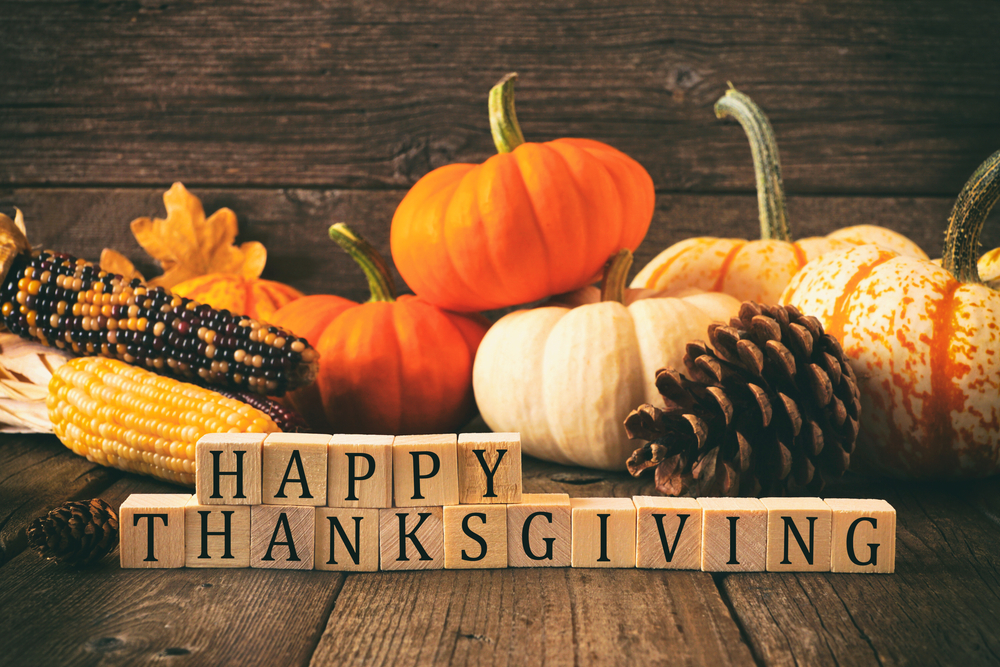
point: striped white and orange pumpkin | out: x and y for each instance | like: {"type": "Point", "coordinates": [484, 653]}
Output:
{"type": "Point", "coordinates": [924, 341]}
{"type": "Point", "coordinates": [756, 270]}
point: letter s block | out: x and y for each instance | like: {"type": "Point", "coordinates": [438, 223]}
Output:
{"type": "Point", "coordinates": [475, 537]}
{"type": "Point", "coordinates": [228, 468]}
{"type": "Point", "coordinates": [864, 536]}
{"type": "Point", "coordinates": [152, 530]}
{"type": "Point", "coordinates": [539, 531]}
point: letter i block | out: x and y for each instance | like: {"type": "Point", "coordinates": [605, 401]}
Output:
{"type": "Point", "coordinates": [360, 471]}
{"type": "Point", "coordinates": [475, 536]}
{"type": "Point", "coordinates": [294, 469]}
{"type": "Point", "coordinates": [216, 535]}
{"type": "Point", "coordinates": [733, 535]}
{"type": "Point", "coordinates": [152, 530]}
{"type": "Point", "coordinates": [539, 531]}
{"type": "Point", "coordinates": [864, 536]}
{"type": "Point", "coordinates": [798, 534]}
{"type": "Point", "coordinates": [603, 532]}
{"type": "Point", "coordinates": [347, 539]}
{"type": "Point", "coordinates": [668, 533]}
{"type": "Point", "coordinates": [489, 468]}
{"type": "Point", "coordinates": [228, 468]}
{"type": "Point", "coordinates": [425, 470]}
{"type": "Point", "coordinates": [411, 538]}
{"type": "Point", "coordinates": [282, 537]}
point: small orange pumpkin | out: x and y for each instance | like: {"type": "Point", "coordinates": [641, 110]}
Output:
{"type": "Point", "coordinates": [252, 297]}
{"type": "Point", "coordinates": [391, 365]}
{"type": "Point", "coordinates": [535, 220]}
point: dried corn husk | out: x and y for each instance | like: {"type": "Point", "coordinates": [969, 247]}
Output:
{"type": "Point", "coordinates": [25, 371]}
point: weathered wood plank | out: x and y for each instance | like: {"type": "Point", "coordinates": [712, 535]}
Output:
{"type": "Point", "coordinates": [866, 97]}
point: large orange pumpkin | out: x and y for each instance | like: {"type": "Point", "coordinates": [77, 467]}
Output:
{"type": "Point", "coordinates": [535, 220]}
{"type": "Point", "coordinates": [391, 365]}
{"type": "Point", "coordinates": [252, 297]}
{"type": "Point", "coordinates": [924, 341]}
{"type": "Point", "coordinates": [756, 270]}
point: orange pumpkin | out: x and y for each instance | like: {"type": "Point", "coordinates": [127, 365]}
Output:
{"type": "Point", "coordinates": [391, 365]}
{"type": "Point", "coordinates": [252, 297]}
{"type": "Point", "coordinates": [756, 270]}
{"type": "Point", "coordinates": [535, 220]}
{"type": "Point", "coordinates": [924, 341]}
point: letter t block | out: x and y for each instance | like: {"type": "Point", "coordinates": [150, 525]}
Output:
{"type": "Point", "coordinates": [228, 468]}
{"type": "Point", "coordinates": [425, 470]}
{"type": "Point", "coordinates": [152, 530]}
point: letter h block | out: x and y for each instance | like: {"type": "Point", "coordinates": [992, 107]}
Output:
{"type": "Point", "coordinates": [425, 470]}
{"type": "Point", "coordinates": [152, 530]}
{"type": "Point", "coordinates": [216, 536]}
{"type": "Point", "coordinates": [228, 468]}
{"type": "Point", "coordinates": [864, 536]}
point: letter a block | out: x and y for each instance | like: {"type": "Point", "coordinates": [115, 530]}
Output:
{"type": "Point", "coordinates": [360, 471]}
{"type": "Point", "coordinates": [539, 531]}
{"type": "Point", "coordinates": [733, 535]}
{"type": "Point", "coordinates": [347, 539]}
{"type": "Point", "coordinates": [152, 530]}
{"type": "Point", "coordinates": [282, 537]}
{"type": "Point", "coordinates": [425, 470]}
{"type": "Point", "coordinates": [411, 538]}
{"type": "Point", "coordinates": [864, 536]}
{"type": "Point", "coordinates": [475, 536]}
{"type": "Point", "coordinates": [228, 468]}
{"type": "Point", "coordinates": [294, 469]}
{"type": "Point", "coordinates": [489, 468]}
{"type": "Point", "coordinates": [603, 532]}
{"type": "Point", "coordinates": [216, 535]}
{"type": "Point", "coordinates": [668, 533]}
{"type": "Point", "coordinates": [798, 534]}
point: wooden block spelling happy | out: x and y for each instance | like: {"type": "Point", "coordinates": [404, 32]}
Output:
{"type": "Point", "coordinates": [294, 469]}
{"type": "Point", "coordinates": [282, 537]}
{"type": "Point", "coordinates": [798, 534]}
{"type": "Point", "coordinates": [489, 468]}
{"type": "Point", "coordinates": [347, 539]}
{"type": "Point", "coordinates": [539, 531]}
{"type": "Point", "coordinates": [425, 470]}
{"type": "Point", "coordinates": [228, 468]}
{"type": "Point", "coordinates": [359, 471]}
{"type": "Point", "coordinates": [668, 533]}
{"type": "Point", "coordinates": [216, 535]}
{"type": "Point", "coordinates": [863, 536]}
{"type": "Point", "coordinates": [411, 538]}
{"type": "Point", "coordinates": [152, 530]}
{"type": "Point", "coordinates": [603, 532]}
{"type": "Point", "coordinates": [733, 535]}
{"type": "Point", "coordinates": [475, 536]}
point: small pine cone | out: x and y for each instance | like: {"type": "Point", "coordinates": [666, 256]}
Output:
{"type": "Point", "coordinates": [771, 408]}
{"type": "Point", "coordinates": [77, 533]}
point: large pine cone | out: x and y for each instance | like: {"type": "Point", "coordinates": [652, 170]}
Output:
{"type": "Point", "coordinates": [772, 410]}
{"type": "Point", "coordinates": [77, 532]}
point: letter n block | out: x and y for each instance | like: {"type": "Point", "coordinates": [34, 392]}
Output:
{"type": "Point", "coordinates": [228, 468]}
{"type": "Point", "coordinates": [475, 537]}
{"type": "Point", "coordinates": [425, 470]}
{"type": "Point", "coordinates": [603, 532]}
{"type": "Point", "coordinates": [347, 539]}
{"type": "Point", "coordinates": [668, 533]}
{"type": "Point", "coordinates": [282, 537]}
{"type": "Point", "coordinates": [152, 530]}
{"type": "Point", "coordinates": [864, 536]}
{"type": "Point", "coordinates": [216, 535]}
{"type": "Point", "coordinates": [489, 468]}
{"type": "Point", "coordinates": [539, 531]}
{"type": "Point", "coordinates": [733, 535]}
{"type": "Point", "coordinates": [294, 469]}
{"type": "Point", "coordinates": [360, 471]}
{"type": "Point", "coordinates": [798, 534]}
{"type": "Point", "coordinates": [411, 538]}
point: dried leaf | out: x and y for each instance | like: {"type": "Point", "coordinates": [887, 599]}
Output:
{"type": "Point", "coordinates": [115, 262]}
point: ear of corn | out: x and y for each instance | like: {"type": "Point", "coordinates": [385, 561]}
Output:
{"type": "Point", "coordinates": [122, 416]}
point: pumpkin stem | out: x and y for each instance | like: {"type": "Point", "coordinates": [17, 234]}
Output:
{"type": "Point", "coordinates": [368, 258]}
{"type": "Point", "coordinates": [961, 241]}
{"type": "Point", "coordinates": [615, 272]}
{"type": "Point", "coordinates": [766, 165]}
{"type": "Point", "coordinates": [503, 119]}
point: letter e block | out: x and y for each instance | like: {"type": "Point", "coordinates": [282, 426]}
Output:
{"type": "Point", "coordinates": [864, 536]}
{"type": "Point", "coordinates": [152, 530]}
{"type": "Point", "coordinates": [489, 468]}
{"type": "Point", "coordinates": [347, 539]}
{"type": "Point", "coordinates": [603, 532]}
{"type": "Point", "coordinates": [798, 534]}
{"type": "Point", "coordinates": [360, 471]}
{"type": "Point", "coordinates": [282, 537]}
{"type": "Point", "coordinates": [539, 531]}
{"type": "Point", "coordinates": [228, 468]}
{"type": "Point", "coordinates": [411, 538]}
{"type": "Point", "coordinates": [475, 537]}
{"type": "Point", "coordinates": [294, 469]}
{"type": "Point", "coordinates": [425, 470]}
{"type": "Point", "coordinates": [216, 535]}
{"type": "Point", "coordinates": [668, 533]}
{"type": "Point", "coordinates": [733, 535]}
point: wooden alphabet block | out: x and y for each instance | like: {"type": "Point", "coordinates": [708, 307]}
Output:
{"type": "Point", "coordinates": [668, 533]}
{"type": "Point", "coordinates": [863, 537]}
{"type": "Point", "coordinates": [411, 538]}
{"type": "Point", "coordinates": [733, 535]}
{"type": "Point", "coordinates": [603, 532]}
{"type": "Point", "coordinates": [228, 468]}
{"type": "Point", "coordinates": [282, 537]}
{"type": "Point", "coordinates": [539, 531]}
{"type": "Point", "coordinates": [425, 470]}
{"type": "Point", "coordinates": [360, 471]}
{"type": "Point", "coordinates": [294, 469]}
{"type": "Point", "coordinates": [475, 537]}
{"type": "Point", "coordinates": [151, 530]}
{"type": "Point", "coordinates": [216, 535]}
{"type": "Point", "coordinates": [347, 539]}
{"type": "Point", "coordinates": [798, 534]}
{"type": "Point", "coordinates": [489, 468]}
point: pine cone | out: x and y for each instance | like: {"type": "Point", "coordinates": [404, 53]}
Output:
{"type": "Point", "coordinates": [78, 532]}
{"type": "Point", "coordinates": [772, 410]}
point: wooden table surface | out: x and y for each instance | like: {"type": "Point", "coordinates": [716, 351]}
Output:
{"type": "Point", "coordinates": [300, 113]}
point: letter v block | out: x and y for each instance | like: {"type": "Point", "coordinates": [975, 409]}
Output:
{"type": "Point", "coordinates": [152, 530]}
{"type": "Point", "coordinates": [294, 469]}
{"type": "Point", "coordinates": [489, 468]}
{"type": "Point", "coordinates": [864, 536]}
{"type": "Point", "coordinates": [282, 537]}
{"type": "Point", "coordinates": [425, 470]}
{"type": "Point", "coordinates": [733, 535]}
{"type": "Point", "coordinates": [411, 538]}
{"type": "Point", "coordinates": [798, 534]}
{"type": "Point", "coordinates": [228, 468]}
{"type": "Point", "coordinates": [668, 533]}
{"type": "Point", "coordinates": [539, 531]}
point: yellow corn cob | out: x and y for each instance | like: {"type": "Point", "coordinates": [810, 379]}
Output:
{"type": "Point", "coordinates": [128, 418]}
